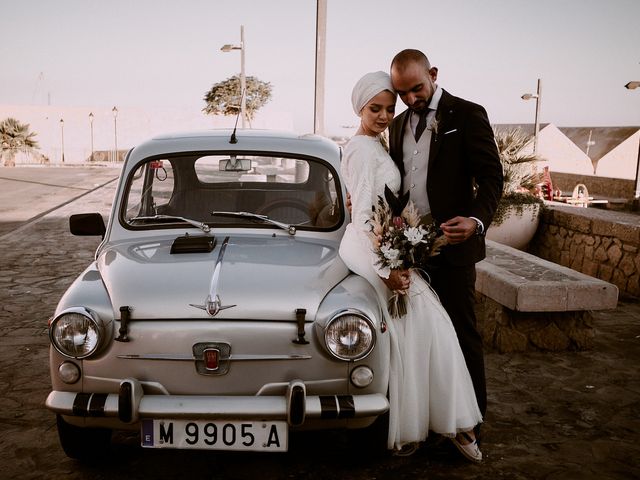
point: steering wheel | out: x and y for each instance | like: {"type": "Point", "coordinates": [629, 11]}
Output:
{"type": "Point", "coordinates": [286, 210]}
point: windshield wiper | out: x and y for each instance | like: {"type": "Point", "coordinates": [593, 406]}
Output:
{"type": "Point", "coordinates": [291, 229]}
{"type": "Point", "coordinates": [202, 226]}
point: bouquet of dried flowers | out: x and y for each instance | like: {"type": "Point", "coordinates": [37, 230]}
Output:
{"type": "Point", "coordinates": [401, 240]}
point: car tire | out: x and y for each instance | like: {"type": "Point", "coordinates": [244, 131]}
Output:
{"type": "Point", "coordinates": [372, 439]}
{"type": "Point", "coordinates": [84, 444]}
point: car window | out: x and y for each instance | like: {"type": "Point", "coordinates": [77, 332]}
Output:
{"type": "Point", "coordinates": [295, 191]}
{"type": "Point", "coordinates": [151, 187]}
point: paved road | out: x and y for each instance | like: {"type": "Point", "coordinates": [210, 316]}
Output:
{"type": "Point", "coordinates": [573, 415]}
{"type": "Point", "coordinates": [27, 193]}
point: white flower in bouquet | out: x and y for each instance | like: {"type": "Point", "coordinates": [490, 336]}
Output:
{"type": "Point", "coordinates": [392, 255]}
{"type": "Point", "coordinates": [415, 235]}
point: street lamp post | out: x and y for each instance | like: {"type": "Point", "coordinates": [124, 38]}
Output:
{"type": "Point", "coordinates": [632, 86]}
{"type": "Point", "coordinates": [538, 97]}
{"type": "Point", "coordinates": [91, 129]}
{"type": "Point", "coordinates": [590, 143]}
{"type": "Point", "coordinates": [114, 110]}
{"type": "Point", "coordinates": [62, 137]}
{"type": "Point", "coordinates": [243, 80]}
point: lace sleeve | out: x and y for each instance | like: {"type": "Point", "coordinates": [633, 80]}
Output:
{"type": "Point", "coordinates": [360, 172]}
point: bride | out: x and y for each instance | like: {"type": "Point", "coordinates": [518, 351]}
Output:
{"type": "Point", "coordinates": [429, 387]}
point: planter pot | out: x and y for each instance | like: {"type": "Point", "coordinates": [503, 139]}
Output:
{"type": "Point", "coordinates": [518, 226]}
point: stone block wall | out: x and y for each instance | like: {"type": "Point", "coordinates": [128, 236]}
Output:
{"type": "Point", "coordinates": [599, 243]}
{"type": "Point", "coordinates": [506, 331]}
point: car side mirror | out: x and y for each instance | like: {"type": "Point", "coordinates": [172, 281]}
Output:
{"type": "Point", "coordinates": [87, 224]}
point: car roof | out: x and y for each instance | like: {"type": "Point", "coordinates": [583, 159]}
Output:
{"type": "Point", "coordinates": [247, 141]}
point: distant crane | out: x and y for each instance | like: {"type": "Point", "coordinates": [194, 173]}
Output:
{"type": "Point", "coordinates": [36, 89]}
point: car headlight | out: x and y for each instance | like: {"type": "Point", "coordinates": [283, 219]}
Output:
{"type": "Point", "coordinates": [77, 332]}
{"type": "Point", "coordinates": [350, 335]}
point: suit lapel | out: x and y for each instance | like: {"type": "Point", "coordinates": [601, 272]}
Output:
{"type": "Point", "coordinates": [443, 119]}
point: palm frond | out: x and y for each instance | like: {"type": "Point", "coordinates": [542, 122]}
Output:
{"type": "Point", "coordinates": [518, 165]}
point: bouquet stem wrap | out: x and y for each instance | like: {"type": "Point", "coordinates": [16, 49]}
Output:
{"type": "Point", "coordinates": [397, 305]}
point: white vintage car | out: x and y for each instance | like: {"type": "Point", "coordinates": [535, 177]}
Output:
{"type": "Point", "coordinates": [217, 313]}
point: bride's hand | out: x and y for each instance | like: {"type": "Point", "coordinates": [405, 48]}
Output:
{"type": "Point", "coordinates": [399, 280]}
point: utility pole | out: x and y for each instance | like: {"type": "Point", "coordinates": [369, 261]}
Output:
{"type": "Point", "coordinates": [321, 36]}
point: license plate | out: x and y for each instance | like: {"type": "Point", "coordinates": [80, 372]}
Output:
{"type": "Point", "coordinates": [215, 435]}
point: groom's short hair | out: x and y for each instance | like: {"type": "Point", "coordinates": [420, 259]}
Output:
{"type": "Point", "coordinates": [407, 56]}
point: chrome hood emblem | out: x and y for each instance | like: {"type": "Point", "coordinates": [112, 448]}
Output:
{"type": "Point", "coordinates": [213, 304]}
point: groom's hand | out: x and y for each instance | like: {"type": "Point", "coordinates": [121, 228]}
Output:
{"type": "Point", "coordinates": [458, 229]}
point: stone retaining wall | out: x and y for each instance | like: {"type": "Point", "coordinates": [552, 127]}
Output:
{"type": "Point", "coordinates": [599, 186]}
{"type": "Point", "coordinates": [599, 243]}
{"type": "Point", "coordinates": [526, 303]}
{"type": "Point", "coordinates": [506, 331]}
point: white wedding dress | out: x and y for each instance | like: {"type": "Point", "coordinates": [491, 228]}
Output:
{"type": "Point", "coordinates": [429, 384]}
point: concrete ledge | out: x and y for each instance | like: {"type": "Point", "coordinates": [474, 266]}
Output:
{"type": "Point", "coordinates": [526, 283]}
{"type": "Point", "coordinates": [526, 303]}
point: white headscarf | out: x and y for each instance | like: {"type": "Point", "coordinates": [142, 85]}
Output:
{"type": "Point", "coordinates": [368, 87]}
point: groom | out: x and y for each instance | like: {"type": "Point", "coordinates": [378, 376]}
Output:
{"type": "Point", "coordinates": [448, 159]}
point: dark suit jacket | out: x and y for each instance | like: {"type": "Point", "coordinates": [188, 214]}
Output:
{"type": "Point", "coordinates": [462, 154]}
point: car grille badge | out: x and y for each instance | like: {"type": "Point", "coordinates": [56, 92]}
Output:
{"type": "Point", "coordinates": [212, 358]}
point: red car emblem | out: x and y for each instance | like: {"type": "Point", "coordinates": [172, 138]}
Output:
{"type": "Point", "coordinates": [211, 358]}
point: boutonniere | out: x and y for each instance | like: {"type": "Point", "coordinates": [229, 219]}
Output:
{"type": "Point", "coordinates": [433, 126]}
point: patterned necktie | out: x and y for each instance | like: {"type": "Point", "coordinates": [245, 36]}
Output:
{"type": "Point", "coordinates": [422, 123]}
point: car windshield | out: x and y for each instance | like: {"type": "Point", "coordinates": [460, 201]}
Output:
{"type": "Point", "coordinates": [178, 190]}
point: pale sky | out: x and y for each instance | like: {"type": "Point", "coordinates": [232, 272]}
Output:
{"type": "Point", "coordinates": [155, 53]}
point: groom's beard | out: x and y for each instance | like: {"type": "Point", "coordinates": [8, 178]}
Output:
{"type": "Point", "coordinates": [420, 105]}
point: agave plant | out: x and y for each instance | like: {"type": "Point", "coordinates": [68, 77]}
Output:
{"type": "Point", "coordinates": [521, 178]}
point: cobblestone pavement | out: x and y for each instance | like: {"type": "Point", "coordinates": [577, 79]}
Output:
{"type": "Point", "coordinates": [572, 415]}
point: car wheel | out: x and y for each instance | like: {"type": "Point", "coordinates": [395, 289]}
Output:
{"type": "Point", "coordinates": [84, 444]}
{"type": "Point", "coordinates": [372, 439]}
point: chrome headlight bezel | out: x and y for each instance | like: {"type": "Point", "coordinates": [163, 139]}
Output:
{"type": "Point", "coordinates": [95, 331]}
{"type": "Point", "coordinates": [363, 322]}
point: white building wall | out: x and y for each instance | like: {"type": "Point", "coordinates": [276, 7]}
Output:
{"type": "Point", "coordinates": [561, 153]}
{"type": "Point", "coordinates": [131, 126]}
{"type": "Point", "coordinates": [622, 161]}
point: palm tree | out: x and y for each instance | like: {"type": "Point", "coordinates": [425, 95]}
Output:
{"type": "Point", "coordinates": [521, 178]}
{"type": "Point", "coordinates": [15, 137]}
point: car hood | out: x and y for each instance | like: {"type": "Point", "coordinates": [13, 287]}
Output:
{"type": "Point", "coordinates": [265, 278]}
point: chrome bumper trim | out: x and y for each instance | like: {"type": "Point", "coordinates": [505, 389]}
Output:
{"type": "Point", "coordinates": [233, 358]}
{"type": "Point", "coordinates": [219, 407]}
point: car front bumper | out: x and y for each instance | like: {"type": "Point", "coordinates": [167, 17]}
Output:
{"type": "Point", "coordinates": [296, 407]}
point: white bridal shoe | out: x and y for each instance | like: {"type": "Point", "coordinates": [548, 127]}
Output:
{"type": "Point", "coordinates": [471, 451]}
